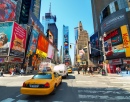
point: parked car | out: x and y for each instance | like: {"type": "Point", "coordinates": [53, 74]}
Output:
{"type": "Point", "coordinates": [43, 83]}
{"type": "Point", "coordinates": [61, 69]}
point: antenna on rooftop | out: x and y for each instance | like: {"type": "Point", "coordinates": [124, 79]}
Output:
{"type": "Point", "coordinates": [50, 8]}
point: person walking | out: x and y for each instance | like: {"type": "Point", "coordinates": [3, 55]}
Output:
{"type": "Point", "coordinates": [1, 72]}
{"type": "Point", "coordinates": [83, 69]}
{"type": "Point", "coordinates": [21, 71]}
{"type": "Point", "coordinates": [127, 70]}
{"type": "Point", "coordinates": [91, 71]}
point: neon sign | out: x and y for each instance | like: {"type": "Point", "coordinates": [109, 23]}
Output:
{"type": "Point", "coordinates": [125, 40]}
{"type": "Point", "coordinates": [110, 35]}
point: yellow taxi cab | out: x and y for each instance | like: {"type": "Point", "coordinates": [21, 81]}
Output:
{"type": "Point", "coordinates": [69, 70]}
{"type": "Point", "coordinates": [43, 83]}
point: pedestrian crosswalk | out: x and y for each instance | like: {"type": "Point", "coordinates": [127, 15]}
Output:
{"type": "Point", "coordinates": [15, 100]}
{"type": "Point", "coordinates": [103, 95]}
{"type": "Point", "coordinates": [92, 95]}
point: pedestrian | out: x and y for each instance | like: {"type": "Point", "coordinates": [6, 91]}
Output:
{"type": "Point", "coordinates": [127, 70]}
{"type": "Point", "coordinates": [117, 70]}
{"type": "Point", "coordinates": [91, 71]}
{"type": "Point", "coordinates": [1, 72]}
{"type": "Point", "coordinates": [12, 72]}
{"type": "Point", "coordinates": [88, 70]}
{"type": "Point", "coordinates": [21, 71]}
{"type": "Point", "coordinates": [83, 70]}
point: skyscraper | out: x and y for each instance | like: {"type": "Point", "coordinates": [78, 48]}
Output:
{"type": "Point", "coordinates": [66, 56]}
{"type": "Point", "coordinates": [49, 22]}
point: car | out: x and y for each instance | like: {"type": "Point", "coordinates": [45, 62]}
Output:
{"type": "Point", "coordinates": [43, 83]}
{"type": "Point", "coordinates": [69, 69]}
{"type": "Point", "coordinates": [61, 69]}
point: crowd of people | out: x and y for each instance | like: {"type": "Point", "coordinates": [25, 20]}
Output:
{"type": "Point", "coordinates": [85, 70]}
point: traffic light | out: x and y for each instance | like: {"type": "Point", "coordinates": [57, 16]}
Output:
{"type": "Point", "coordinates": [70, 46]}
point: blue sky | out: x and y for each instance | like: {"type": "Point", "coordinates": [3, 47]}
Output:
{"type": "Point", "coordinates": [69, 13]}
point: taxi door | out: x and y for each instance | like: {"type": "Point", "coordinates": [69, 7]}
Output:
{"type": "Point", "coordinates": [56, 75]}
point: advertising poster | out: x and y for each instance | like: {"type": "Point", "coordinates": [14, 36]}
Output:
{"type": "Point", "coordinates": [5, 37]}
{"type": "Point", "coordinates": [126, 40]}
{"type": "Point", "coordinates": [94, 40]}
{"type": "Point", "coordinates": [116, 40]}
{"type": "Point", "coordinates": [18, 41]}
{"type": "Point", "coordinates": [50, 52]}
{"type": "Point", "coordinates": [33, 41]}
{"type": "Point", "coordinates": [114, 47]}
{"type": "Point", "coordinates": [42, 46]}
{"type": "Point", "coordinates": [7, 10]}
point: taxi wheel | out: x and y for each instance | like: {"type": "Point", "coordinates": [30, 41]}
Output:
{"type": "Point", "coordinates": [54, 91]}
{"type": "Point", "coordinates": [61, 82]}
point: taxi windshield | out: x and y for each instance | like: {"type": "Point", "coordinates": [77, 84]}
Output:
{"type": "Point", "coordinates": [42, 76]}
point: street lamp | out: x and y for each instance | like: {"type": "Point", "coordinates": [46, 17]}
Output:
{"type": "Point", "coordinates": [103, 50]}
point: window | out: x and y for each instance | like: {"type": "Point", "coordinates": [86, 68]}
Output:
{"type": "Point", "coordinates": [106, 12]}
{"type": "Point", "coordinates": [116, 6]}
{"type": "Point", "coordinates": [42, 76]}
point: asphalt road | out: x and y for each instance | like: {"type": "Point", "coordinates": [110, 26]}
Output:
{"type": "Point", "coordinates": [76, 88]}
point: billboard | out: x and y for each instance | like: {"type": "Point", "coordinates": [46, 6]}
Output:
{"type": "Point", "coordinates": [18, 41]}
{"type": "Point", "coordinates": [33, 41]}
{"type": "Point", "coordinates": [5, 37]}
{"type": "Point", "coordinates": [50, 52]}
{"type": "Point", "coordinates": [42, 46]}
{"type": "Point", "coordinates": [117, 43]}
{"type": "Point", "coordinates": [94, 41]}
{"type": "Point", "coordinates": [8, 10]}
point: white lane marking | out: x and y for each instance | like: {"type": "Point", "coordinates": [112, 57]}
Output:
{"type": "Point", "coordinates": [57, 101]}
{"type": "Point", "coordinates": [18, 95]}
{"type": "Point", "coordinates": [104, 92]}
{"type": "Point", "coordinates": [104, 97]}
{"type": "Point", "coordinates": [8, 100]}
{"type": "Point", "coordinates": [22, 101]}
{"type": "Point", "coordinates": [122, 82]}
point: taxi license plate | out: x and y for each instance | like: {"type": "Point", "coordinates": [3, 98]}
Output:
{"type": "Point", "coordinates": [34, 86]}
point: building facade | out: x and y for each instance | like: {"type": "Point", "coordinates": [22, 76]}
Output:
{"type": "Point", "coordinates": [82, 43]}
{"type": "Point", "coordinates": [36, 7]}
{"type": "Point", "coordinates": [49, 22]}
{"type": "Point", "coordinates": [66, 56]}
{"type": "Point", "coordinates": [115, 22]}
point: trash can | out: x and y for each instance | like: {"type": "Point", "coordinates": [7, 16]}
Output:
{"type": "Point", "coordinates": [103, 72]}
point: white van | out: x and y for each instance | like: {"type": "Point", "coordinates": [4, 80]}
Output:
{"type": "Point", "coordinates": [61, 69]}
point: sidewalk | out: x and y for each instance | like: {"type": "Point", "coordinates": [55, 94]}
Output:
{"type": "Point", "coordinates": [95, 74]}
{"type": "Point", "coordinates": [8, 75]}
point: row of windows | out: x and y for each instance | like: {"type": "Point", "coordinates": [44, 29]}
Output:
{"type": "Point", "coordinates": [113, 7]}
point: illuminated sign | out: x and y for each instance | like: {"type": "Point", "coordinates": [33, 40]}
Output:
{"type": "Point", "coordinates": [125, 37]}
{"type": "Point", "coordinates": [110, 35]}
{"type": "Point", "coordinates": [126, 42]}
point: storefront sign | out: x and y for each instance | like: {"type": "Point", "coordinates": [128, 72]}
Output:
{"type": "Point", "coordinates": [126, 40]}
{"type": "Point", "coordinates": [4, 51]}
{"type": "Point", "coordinates": [3, 60]}
{"type": "Point", "coordinates": [113, 21]}
{"type": "Point", "coordinates": [110, 35]}
{"type": "Point", "coordinates": [15, 59]}
{"type": "Point", "coordinates": [115, 62]}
